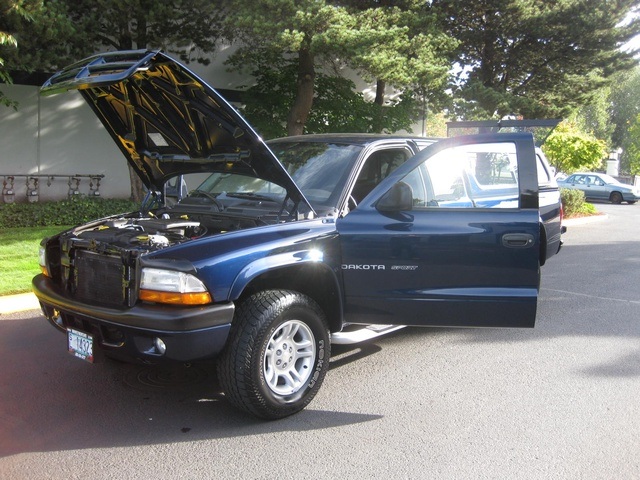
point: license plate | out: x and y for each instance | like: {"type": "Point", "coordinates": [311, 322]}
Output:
{"type": "Point", "coordinates": [80, 344]}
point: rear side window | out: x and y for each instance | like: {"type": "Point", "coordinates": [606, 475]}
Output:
{"type": "Point", "coordinates": [546, 173]}
{"type": "Point", "coordinates": [543, 175]}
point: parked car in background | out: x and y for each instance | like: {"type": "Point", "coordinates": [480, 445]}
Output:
{"type": "Point", "coordinates": [599, 186]}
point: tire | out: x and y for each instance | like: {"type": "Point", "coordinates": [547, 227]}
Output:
{"type": "Point", "coordinates": [277, 354]}
{"type": "Point", "coordinates": [615, 197]}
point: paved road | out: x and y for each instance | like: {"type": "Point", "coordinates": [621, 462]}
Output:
{"type": "Point", "coordinates": [559, 401]}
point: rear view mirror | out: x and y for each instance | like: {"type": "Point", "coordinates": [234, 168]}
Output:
{"type": "Point", "coordinates": [398, 198]}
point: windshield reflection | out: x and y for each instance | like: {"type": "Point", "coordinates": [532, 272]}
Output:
{"type": "Point", "coordinates": [320, 170]}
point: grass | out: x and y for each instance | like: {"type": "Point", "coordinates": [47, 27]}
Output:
{"type": "Point", "coordinates": [19, 257]}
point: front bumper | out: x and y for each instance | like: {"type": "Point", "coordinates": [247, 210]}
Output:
{"type": "Point", "coordinates": [630, 197]}
{"type": "Point", "coordinates": [189, 333]}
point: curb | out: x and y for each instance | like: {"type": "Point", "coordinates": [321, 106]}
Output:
{"type": "Point", "coordinates": [18, 303]}
{"type": "Point", "coordinates": [571, 222]}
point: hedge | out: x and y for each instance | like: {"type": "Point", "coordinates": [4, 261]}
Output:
{"type": "Point", "coordinates": [573, 203]}
{"type": "Point", "coordinates": [73, 211]}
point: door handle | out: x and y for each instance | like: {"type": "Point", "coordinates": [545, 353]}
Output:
{"type": "Point", "coordinates": [517, 240]}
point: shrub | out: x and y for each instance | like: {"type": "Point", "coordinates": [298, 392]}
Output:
{"type": "Point", "coordinates": [569, 149]}
{"type": "Point", "coordinates": [73, 211]}
{"type": "Point", "coordinates": [574, 204]}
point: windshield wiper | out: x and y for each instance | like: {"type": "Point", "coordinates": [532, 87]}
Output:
{"type": "Point", "coordinates": [251, 196]}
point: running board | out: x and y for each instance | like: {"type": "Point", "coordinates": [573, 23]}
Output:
{"type": "Point", "coordinates": [367, 332]}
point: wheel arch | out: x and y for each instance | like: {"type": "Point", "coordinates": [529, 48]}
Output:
{"type": "Point", "coordinates": [313, 279]}
{"type": "Point", "coordinates": [615, 194]}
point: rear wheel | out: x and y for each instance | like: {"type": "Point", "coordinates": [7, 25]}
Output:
{"type": "Point", "coordinates": [615, 197]}
{"type": "Point", "coordinates": [277, 354]}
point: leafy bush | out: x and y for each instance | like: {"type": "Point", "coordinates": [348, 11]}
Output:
{"type": "Point", "coordinates": [73, 211]}
{"type": "Point", "coordinates": [573, 203]}
{"type": "Point", "coordinates": [569, 149]}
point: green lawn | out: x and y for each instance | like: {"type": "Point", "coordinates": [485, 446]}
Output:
{"type": "Point", "coordinates": [19, 257]}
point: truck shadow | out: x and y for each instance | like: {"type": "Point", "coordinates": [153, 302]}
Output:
{"type": "Point", "coordinates": [51, 401]}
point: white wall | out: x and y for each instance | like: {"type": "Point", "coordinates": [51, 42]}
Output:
{"type": "Point", "coordinates": [58, 135]}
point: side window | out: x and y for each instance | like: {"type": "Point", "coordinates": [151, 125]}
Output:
{"type": "Point", "coordinates": [468, 176]}
{"type": "Point", "coordinates": [544, 176]}
{"type": "Point", "coordinates": [376, 168]}
{"type": "Point", "coordinates": [416, 180]}
{"type": "Point", "coordinates": [445, 173]}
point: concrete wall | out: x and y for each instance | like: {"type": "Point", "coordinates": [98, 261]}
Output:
{"type": "Point", "coordinates": [57, 135]}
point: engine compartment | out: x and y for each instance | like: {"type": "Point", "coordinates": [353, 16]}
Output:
{"type": "Point", "coordinates": [164, 228]}
{"type": "Point", "coordinates": [146, 233]}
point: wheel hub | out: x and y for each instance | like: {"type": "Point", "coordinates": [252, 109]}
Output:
{"type": "Point", "coordinates": [284, 355]}
{"type": "Point", "coordinates": [289, 357]}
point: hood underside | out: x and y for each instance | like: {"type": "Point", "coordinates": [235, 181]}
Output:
{"type": "Point", "coordinates": [167, 121]}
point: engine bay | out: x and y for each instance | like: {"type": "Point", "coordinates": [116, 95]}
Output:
{"type": "Point", "coordinates": [164, 228]}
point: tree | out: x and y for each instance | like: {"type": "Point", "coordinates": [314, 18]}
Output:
{"type": "Point", "coordinates": [294, 29]}
{"type": "Point", "coordinates": [612, 116]}
{"type": "Point", "coordinates": [624, 104]}
{"type": "Point", "coordinates": [27, 32]}
{"type": "Point", "coordinates": [381, 41]}
{"type": "Point", "coordinates": [569, 149]}
{"type": "Point", "coordinates": [632, 147]}
{"type": "Point", "coordinates": [6, 39]}
{"type": "Point", "coordinates": [595, 118]}
{"type": "Point", "coordinates": [399, 44]}
{"type": "Point", "coordinates": [537, 58]}
{"type": "Point", "coordinates": [338, 107]}
{"type": "Point", "coordinates": [188, 28]}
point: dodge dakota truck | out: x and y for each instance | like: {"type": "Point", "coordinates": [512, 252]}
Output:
{"type": "Point", "coordinates": [261, 255]}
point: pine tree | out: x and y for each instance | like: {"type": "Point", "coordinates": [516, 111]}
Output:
{"type": "Point", "coordinates": [537, 58]}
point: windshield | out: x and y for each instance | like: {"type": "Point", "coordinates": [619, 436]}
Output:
{"type": "Point", "coordinates": [608, 179]}
{"type": "Point", "coordinates": [320, 170]}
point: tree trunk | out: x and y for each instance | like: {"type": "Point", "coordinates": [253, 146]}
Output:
{"type": "Point", "coordinates": [304, 95]}
{"type": "Point", "coordinates": [137, 187]}
{"type": "Point", "coordinates": [379, 101]}
{"type": "Point", "coordinates": [380, 86]}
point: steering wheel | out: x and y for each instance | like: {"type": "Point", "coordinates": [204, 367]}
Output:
{"type": "Point", "coordinates": [210, 196]}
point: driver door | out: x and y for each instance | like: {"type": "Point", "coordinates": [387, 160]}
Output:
{"type": "Point", "coordinates": [451, 238]}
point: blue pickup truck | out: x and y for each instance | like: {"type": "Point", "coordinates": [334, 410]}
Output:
{"type": "Point", "coordinates": [262, 255]}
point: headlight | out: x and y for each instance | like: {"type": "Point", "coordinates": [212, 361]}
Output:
{"type": "Point", "coordinates": [42, 260]}
{"type": "Point", "coordinates": [168, 286]}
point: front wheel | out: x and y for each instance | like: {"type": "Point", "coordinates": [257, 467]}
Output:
{"type": "Point", "coordinates": [277, 354]}
{"type": "Point", "coordinates": [615, 197]}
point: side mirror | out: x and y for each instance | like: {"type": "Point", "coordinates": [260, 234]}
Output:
{"type": "Point", "coordinates": [398, 198]}
{"type": "Point", "coordinates": [175, 189]}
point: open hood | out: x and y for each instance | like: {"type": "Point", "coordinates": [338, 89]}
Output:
{"type": "Point", "coordinates": [167, 121]}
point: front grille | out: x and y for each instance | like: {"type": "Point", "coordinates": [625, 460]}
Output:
{"type": "Point", "coordinates": [99, 279]}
